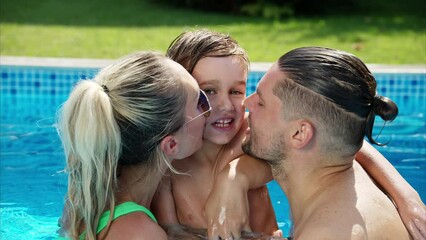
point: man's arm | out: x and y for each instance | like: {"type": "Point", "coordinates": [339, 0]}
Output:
{"type": "Point", "coordinates": [410, 207]}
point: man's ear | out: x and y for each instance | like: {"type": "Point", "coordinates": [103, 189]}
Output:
{"type": "Point", "coordinates": [169, 146]}
{"type": "Point", "coordinates": [302, 133]}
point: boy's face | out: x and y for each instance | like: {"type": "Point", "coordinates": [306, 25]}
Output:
{"type": "Point", "coordinates": [223, 79]}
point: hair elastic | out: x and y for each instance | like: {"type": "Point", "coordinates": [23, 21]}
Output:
{"type": "Point", "coordinates": [106, 90]}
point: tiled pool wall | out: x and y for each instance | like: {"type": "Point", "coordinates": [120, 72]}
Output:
{"type": "Point", "coordinates": [50, 86]}
{"type": "Point", "coordinates": [40, 86]}
{"type": "Point", "coordinates": [400, 87]}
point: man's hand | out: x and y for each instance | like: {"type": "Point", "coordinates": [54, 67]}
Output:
{"type": "Point", "coordinates": [413, 214]}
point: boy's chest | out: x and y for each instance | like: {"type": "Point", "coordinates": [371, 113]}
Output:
{"type": "Point", "coordinates": [190, 198]}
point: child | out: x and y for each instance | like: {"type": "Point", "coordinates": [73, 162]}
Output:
{"type": "Point", "coordinates": [220, 67]}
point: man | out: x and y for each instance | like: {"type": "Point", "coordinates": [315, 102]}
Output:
{"type": "Point", "coordinates": [307, 119]}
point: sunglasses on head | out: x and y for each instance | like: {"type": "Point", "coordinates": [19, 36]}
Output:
{"type": "Point", "coordinates": [203, 106]}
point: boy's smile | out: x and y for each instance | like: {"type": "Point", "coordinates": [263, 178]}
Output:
{"type": "Point", "coordinates": [223, 79]}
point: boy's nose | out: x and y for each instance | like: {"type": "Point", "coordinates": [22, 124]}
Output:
{"type": "Point", "coordinates": [226, 105]}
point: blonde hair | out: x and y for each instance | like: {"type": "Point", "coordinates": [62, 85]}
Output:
{"type": "Point", "coordinates": [116, 119]}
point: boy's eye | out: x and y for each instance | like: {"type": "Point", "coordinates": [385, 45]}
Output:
{"type": "Point", "coordinates": [236, 92]}
{"type": "Point", "coordinates": [260, 104]}
{"type": "Point", "coordinates": [209, 91]}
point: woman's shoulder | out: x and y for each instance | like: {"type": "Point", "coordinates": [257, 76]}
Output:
{"type": "Point", "coordinates": [135, 225]}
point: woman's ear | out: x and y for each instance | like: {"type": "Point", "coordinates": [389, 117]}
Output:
{"type": "Point", "coordinates": [302, 133]}
{"type": "Point", "coordinates": [169, 146]}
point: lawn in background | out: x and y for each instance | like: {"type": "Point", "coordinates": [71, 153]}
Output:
{"type": "Point", "coordinates": [110, 29]}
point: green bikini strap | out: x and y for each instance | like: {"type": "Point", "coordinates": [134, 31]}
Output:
{"type": "Point", "coordinates": [121, 210]}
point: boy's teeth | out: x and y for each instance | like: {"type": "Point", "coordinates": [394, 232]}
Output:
{"type": "Point", "coordinates": [223, 123]}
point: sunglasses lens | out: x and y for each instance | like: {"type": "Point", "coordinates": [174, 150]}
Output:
{"type": "Point", "coordinates": [203, 104]}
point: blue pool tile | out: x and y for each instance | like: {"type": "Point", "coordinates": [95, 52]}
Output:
{"type": "Point", "coordinates": [59, 82]}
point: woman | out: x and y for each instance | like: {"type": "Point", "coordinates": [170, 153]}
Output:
{"type": "Point", "coordinates": [120, 132]}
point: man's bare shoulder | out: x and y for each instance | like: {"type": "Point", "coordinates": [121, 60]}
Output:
{"type": "Point", "coordinates": [343, 217]}
{"type": "Point", "coordinates": [330, 224]}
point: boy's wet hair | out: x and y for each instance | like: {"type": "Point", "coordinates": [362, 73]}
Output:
{"type": "Point", "coordinates": [191, 46]}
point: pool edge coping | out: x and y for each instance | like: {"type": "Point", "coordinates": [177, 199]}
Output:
{"type": "Point", "coordinates": [254, 66]}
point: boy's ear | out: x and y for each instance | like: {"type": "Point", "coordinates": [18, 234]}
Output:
{"type": "Point", "coordinates": [302, 133]}
{"type": "Point", "coordinates": [169, 146]}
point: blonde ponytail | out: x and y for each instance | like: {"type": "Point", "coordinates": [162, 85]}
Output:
{"type": "Point", "coordinates": [117, 119]}
{"type": "Point", "coordinates": [92, 142]}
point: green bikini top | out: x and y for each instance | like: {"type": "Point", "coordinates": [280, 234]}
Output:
{"type": "Point", "coordinates": [120, 210]}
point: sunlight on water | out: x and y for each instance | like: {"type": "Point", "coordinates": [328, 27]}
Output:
{"type": "Point", "coordinates": [22, 225]}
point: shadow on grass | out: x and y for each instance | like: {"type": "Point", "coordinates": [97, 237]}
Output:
{"type": "Point", "coordinates": [125, 13]}
{"type": "Point", "coordinates": [145, 13]}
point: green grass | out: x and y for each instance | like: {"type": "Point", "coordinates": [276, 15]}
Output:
{"type": "Point", "coordinates": [110, 29]}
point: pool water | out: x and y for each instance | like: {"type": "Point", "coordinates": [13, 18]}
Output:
{"type": "Point", "coordinates": [32, 181]}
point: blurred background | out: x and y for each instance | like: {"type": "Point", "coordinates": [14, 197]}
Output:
{"type": "Point", "coordinates": [377, 31]}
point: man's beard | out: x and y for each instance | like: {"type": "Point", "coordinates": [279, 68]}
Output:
{"type": "Point", "coordinates": [274, 154]}
{"type": "Point", "coordinates": [247, 147]}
